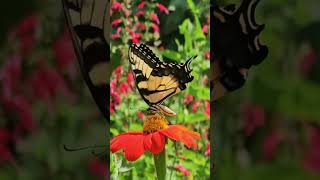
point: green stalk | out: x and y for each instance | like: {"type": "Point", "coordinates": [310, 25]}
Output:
{"type": "Point", "coordinates": [160, 164]}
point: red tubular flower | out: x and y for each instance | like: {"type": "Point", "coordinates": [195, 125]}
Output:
{"type": "Point", "coordinates": [135, 37]}
{"type": "Point", "coordinates": [311, 159]}
{"type": "Point", "coordinates": [162, 8]}
{"type": "Point", "coordinates": [116, 22]}
{"type": "Point", "coordinates": [205, 29]}
{"type": "Point", "coordinates": [207, 153]}
{"type": "Point", "coordinates": [207, 105]}
{"type": "Point", "coordinates": [140, 115]}
{"type": "Point", "coordinates": [141, 26]}
{"type": "Point", "coordinates": [117, 35]}
{"type": "Point", "coordinates": [26, 33]}
{"type": "Point", "coordinates": [155, 27]}
{"type": "Point", "coordinates": [141, 5]}
{"type": "Point", "coordinates": [195, 106]}
{"type": "Point", "coordinates": [188, 99]}
{"type": "Point", "coordinates": [182, 169]}
{"type": "Point", "coordinates": [207, 55]}
{"type": "Point", "coordinates": [140, 13]}
{"type": "Point", "coordinates": [124, 87]}
{"type": "Point", "coordinates": [253, 117]}
{"type": "Point", "coordinates": [63, 50]}
{"type": "Point", "coordinates": [130, 78]}
{"type": "Point", "coordinates": [10, 75]}
{"type": "Point", "coordinates": [270, 144]}
{"type": "Point", "coordinates": [116, 6]}
{"type": "Point", "coordinates": [155, 18]}
{"type": "Point", "coordinates": [153, 138]}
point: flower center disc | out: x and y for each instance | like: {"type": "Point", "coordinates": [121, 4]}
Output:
{"type": "Point", "coordinates": [154, 123]}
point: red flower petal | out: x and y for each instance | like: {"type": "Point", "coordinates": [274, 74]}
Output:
{"type": "Point", "coordinates": [140, 13]}
{"type": "Point", "coordinates": [141, 5]}
{"type": "Point", "coordinates": [155, 27]}
{"type": "Point", "coordinates": [116, 6]}
{"type": "Point", "coordinates": [116, 22]}
{"type": "Point", "coordinates": [131, 143]}
{"type": "Point", "coordinates": [154, 17]}
{"type": "Point", "coordinates": [154, 142]}
{"type": "Point", "coordinates": [162, 8]}
{"type": "Point", "coordinates": [180, 133]}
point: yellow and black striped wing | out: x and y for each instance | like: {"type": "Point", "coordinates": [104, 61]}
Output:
{"type": "Point", "coordinates": [89, 25]}
{"type": "Point", "coordinates": [156, 80]}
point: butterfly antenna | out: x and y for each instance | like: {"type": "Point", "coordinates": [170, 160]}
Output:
{"type": "Point", "coordinates": [81, 148]}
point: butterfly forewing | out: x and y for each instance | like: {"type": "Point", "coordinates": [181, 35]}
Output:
{"type": "Point", "coordinates": [89, 25]}
{"type": "Point", "coordinates": [156, 80]}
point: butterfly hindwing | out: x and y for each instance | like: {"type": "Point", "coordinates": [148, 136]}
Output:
{"type": "Point", "coordinates": [89, 25]}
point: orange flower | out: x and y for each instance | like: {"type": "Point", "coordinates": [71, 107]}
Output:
{"type": "Point", "coordinates": [153, 138]}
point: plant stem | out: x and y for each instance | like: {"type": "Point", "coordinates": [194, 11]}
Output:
{"type": "Point", "coordinates": [160, 165]}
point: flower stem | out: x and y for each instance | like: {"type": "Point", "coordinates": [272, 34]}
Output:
{"type": "Point", "coordinates": [160, 165]}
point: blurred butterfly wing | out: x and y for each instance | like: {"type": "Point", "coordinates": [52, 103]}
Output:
{"type": "Point", "coordinates": [89, 25]}
{"type": "Point", "coordinates": [154, 80]}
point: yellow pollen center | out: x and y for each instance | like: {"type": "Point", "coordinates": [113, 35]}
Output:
{"type": "Point", "coordinates": [154, 123]}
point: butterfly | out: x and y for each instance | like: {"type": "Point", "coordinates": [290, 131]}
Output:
{"type": "Point", "coordinates": [236, 45]}
{"type": "Point", "coordinates": [156, 80]}
{"type": "Point", "coordinates": [89, 25]}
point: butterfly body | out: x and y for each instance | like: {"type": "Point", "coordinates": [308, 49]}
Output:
{"type": "Point", "coordinates": [156, 80]}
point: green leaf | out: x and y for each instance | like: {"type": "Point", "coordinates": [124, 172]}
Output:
{"type": "Point", "coordinates": [172, 55]}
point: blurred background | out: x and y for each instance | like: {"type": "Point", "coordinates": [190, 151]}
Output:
{"type": "Point", "coordinates": [43, 98]}
{"type": "Point", "coordinates": [270, 128]}
{"type": "Point", "coordinates": [175, 30]}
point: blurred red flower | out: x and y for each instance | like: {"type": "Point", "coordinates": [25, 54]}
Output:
{"type": "Point", "coordinates": [124, 87]}
{"type": "Point", "coordinates": [205, 29]}
{"type": "Point", "coordinates": [63, 50]}
{"type": "Point", "coordinates": [253, 116]}
{"type": "Point", "coordinates": [188, 99]}
{"type": "Point", "coordinates": [111, 107]}
{"type": "Point", "coordinates": [116, 22]}
{"type": "Point", "coordinates": [45, 82]}
{"type": "Point", "coordinates": [141, 26]}
{"type": "Point", "coordinates": [182, 169]}
{"type": "Point", "coordinates": [207, 153]}
{"type": "Point", "coordinates": [5, 154]}
{"type": "Point", "coordinates": [10, 74]}
{"type": "Point", "coordinates": [162, 8]}
{"type": "Point", "coordinates": [22, 109]}
{"type": "Point", "coordinates": [140, 115]}
{"type": "Point", "coordinates": [154, 17]}
{"type": "Point", "coordinates": [135, 37]}
{"type": "Point", "coordinates": [207, 105]}
{"type": "Point", "coordinates": [195, 106]}
{"type": "Point", "coordinates": [155, 27]}
{"type": "Point", "coordinates": [270, 144]}
{"type": "Point", "coordinates": [25, 31]}
{"type": "Point", "coordinates": [97, 167]}
{"type": "Point", "coordinates": [307, 62]}
{"type": "Point", "coordinates": [141, 5]}
{"type": "Point", "coordinates": [140, 13]}
{"type": "Point", "coordinates": [311, 159]}
{"type": "Point", "coordinates": [130, 78]}
{"type": "Point", "coordinates": [153, 138]}
{"type": "Point", "coordinates": [116, 98]}
{"type": "Point", "coordinates": [117, 34]}
{"type": "Point", "coordinates": [207, 55]}
{"type": "Point", "coordinates": [116, 5]}
{"type": "Point", "coordinates": [117, 72]}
